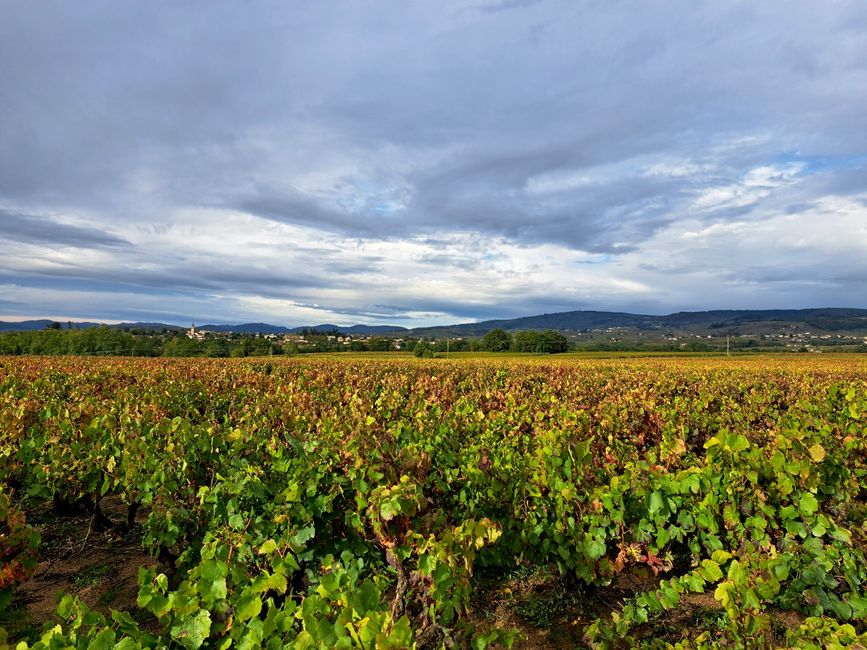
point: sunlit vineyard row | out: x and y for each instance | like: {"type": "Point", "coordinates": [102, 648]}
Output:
{"type": "Point", "coordinates": [353, 503]}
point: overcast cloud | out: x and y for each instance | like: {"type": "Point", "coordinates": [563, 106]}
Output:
{"type": "Point", "coordinates": [421, 163]}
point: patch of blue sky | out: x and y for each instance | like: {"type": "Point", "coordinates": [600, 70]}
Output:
{"type": "Point", "coordinates": [386, 207]}
{"type": "Point", "coordinates": [494, 257]}
{"type": "Point", "coordinates": [604, 258]}
{"type": "Point", "coordinates": [818, 164]}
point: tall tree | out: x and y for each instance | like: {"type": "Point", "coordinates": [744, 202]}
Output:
{"type": "Point", "coordinates": [497, 340]}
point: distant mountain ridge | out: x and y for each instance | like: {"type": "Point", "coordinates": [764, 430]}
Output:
{"type": "Point", "coordinates": [828, 319]}
{"type": "Point", "coordinates": [40, 324]}
{"type": "Point", "coordinates": [265, 328]}
{"type": "Point", "coordinates": [246, 328]}
{"type": "Point", "coordinates": [243, 328]}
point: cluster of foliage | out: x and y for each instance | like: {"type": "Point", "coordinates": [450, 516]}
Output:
{"type": "Point", "coordinates": [545, 342]}
{"type": "Point", "coordinates": [93, 340]}
{"type": "Point", "coordinates": [18, 547]}
{"type": "Point", "coordinates": [497, 340]}
{"type": "Point", "coordinates": [252, 345]}
{"type": "Point", "coordinates": [329, 503]}
{"type": "Point", "coordinates": [548, 341]}
{"type": "Point", "coordinates": [243, 345]}
{"type": "Point", "coordinates": [107, 341]}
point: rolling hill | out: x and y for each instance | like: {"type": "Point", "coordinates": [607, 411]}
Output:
{"type": "Point", "coordinates": [827, 320]}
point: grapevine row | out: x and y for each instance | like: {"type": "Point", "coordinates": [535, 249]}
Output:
{"type": "Point", "coordinates": [337, 503]}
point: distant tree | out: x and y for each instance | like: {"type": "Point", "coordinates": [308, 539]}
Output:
{"type": "Point", "coordinates": [260, 346]}
{"type": "Point", "coordinates": [476, 345]}
{"type": "Point", "coordinates": [423, 350]}
{"type": "Point", "coordinates": [547, 342]}
{"type": "Point", "coordinates": [11, 343]}
{"type": "Point", "coordinates": [458, 345]}
{"type": "Point", "coordinates": [216, 348]}
{"type": "Point", "coordinates": [497, 340]}
{"type": "Point", "coordinates": [377, 344]}
{"type": "Point", "coordinates": [525, 341]}
{"type": "Point", "coordinates": [553, 342]}
{"type": "Point", "coordinates": [180, 346]}
{"type": "Point", "coordinates": [243, 348]}
{"type": "Point", "coordinates": [53, 325]}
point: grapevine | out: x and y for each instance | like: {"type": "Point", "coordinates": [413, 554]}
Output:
{"type": "Point", "coordinates": [324, 503]}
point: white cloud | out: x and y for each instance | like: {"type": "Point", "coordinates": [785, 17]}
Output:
{"type": "Point", "coordinates": [415, 164]}
{"type": "Point", "coordinates": [756, 184]}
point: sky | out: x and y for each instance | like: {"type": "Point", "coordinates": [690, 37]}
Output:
{"type": "Point", "coordinates": [419, 163]}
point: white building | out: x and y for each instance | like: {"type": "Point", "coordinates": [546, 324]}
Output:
{"type": "Point", "coordinates": [195, 334]}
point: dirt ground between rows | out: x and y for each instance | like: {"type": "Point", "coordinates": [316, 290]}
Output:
{"type": "Point", "coordinates": [100, 567]}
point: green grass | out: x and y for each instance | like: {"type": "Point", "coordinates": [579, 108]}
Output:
{"type": "Point", "coordinates": [90, 577]}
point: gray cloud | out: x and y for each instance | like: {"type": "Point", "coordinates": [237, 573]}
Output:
{"type": "Point", "coordinates": [45, 231]}
{"type": "Point", "coordinates": [498, 149]}
{"type": "Point", "coordinates": [181, 278]}
{"type": "Point", "coordinates": [295, 208]}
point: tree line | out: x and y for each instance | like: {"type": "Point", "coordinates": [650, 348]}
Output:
{"type": "Point", "coordinates": [56, 340]}
{"type": "Point", "coordinates": [499, 340]}
{"type": "Point", "coordinates": [116, 342]}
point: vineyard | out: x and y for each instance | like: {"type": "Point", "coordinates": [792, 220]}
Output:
{"type": "Point", "coordinates": [399, 503]}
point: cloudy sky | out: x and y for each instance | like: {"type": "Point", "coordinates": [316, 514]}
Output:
{"type": "Point", "coordinates": [418, 163]}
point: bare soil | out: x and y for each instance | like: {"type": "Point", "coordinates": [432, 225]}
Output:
{"type": "Point", "coordinates": [100, 567]}
{"type": "Point", "coordinates": [548, 613]}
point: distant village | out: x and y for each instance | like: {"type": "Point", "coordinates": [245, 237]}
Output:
{"type": "Point", "coordinates": [313, 339]}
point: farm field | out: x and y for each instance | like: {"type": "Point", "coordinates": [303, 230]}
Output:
{"type": "Point", "coordinates": [524, 502]}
